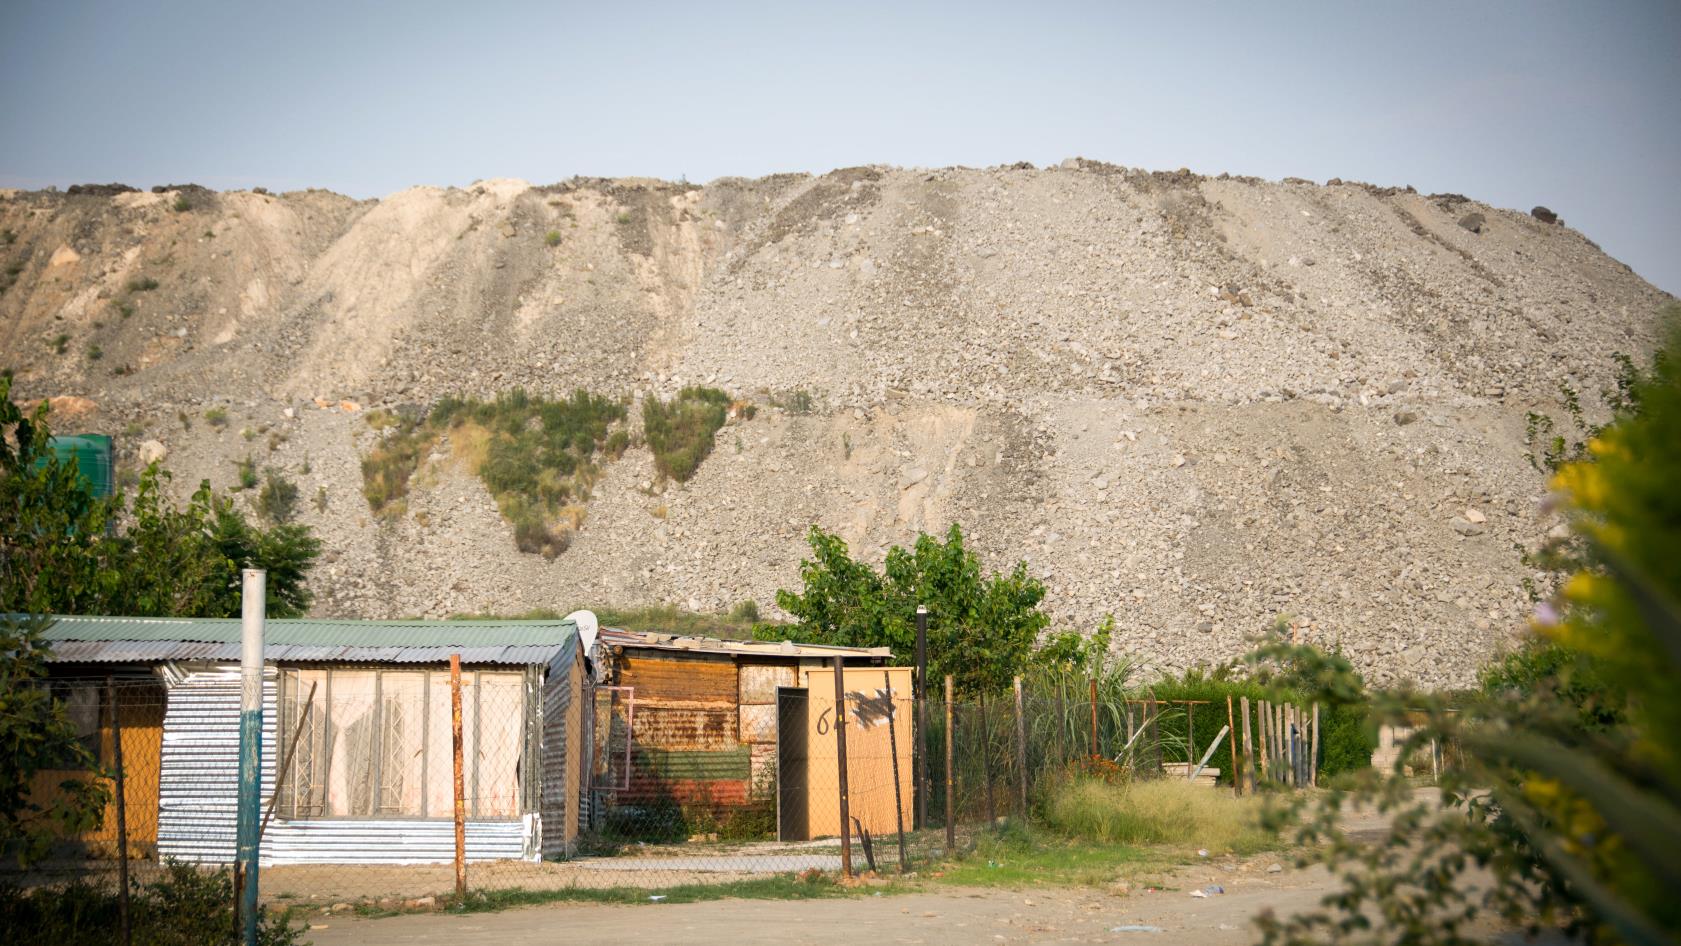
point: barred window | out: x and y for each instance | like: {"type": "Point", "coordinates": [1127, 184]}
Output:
{"type": "Point", "coordinates": [377, 743]}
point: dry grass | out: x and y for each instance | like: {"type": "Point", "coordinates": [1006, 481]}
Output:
{"type": "Point", "coordinates": [1161, 811]}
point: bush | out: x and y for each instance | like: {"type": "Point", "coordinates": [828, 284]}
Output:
{"type": "Point", "coordinates": [216, 417]}
{"type": "Point", "coordinates": [681, 431]}
{"type": "Point", "coordinates": [552, 238]}
{"type": "Point", "coordinates": [278, 500]}
{"type": "Point", "coordinates": [247, 471]}
{"type": "Point", "coordinates": [61, 343]}
{"type": "Point", "coordinates": [190, 906]}
{"type": "Point", "coordinates": [142, 284]}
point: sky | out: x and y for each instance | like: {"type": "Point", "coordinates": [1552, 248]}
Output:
{"type": "Point", "coordinates": [1575, 106]}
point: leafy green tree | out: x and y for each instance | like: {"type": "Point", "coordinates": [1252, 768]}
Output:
{"type": "Point", "coordinates": [35, 736]}
{"type": "Point", "coordinates": [62, 550]}
{"type": "Point", "coordinates": [982, 627]}
{"type": "Point", "coordinates": [1569, 793]}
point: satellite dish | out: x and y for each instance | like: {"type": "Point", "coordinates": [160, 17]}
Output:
{"type": "Point", "coordinates": [587, 628]}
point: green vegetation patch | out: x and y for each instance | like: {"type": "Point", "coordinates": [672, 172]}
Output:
{"type": "Point", "coordinates": [680, 431]}
{"type": "Point", "coordinates": [538, 457]}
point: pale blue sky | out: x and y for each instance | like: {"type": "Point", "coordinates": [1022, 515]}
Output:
{"type": "Point", "coordinates": [1571, 105]}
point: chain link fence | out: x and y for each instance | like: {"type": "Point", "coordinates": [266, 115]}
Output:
{"type": "Point", "coordinates": [365, 770]}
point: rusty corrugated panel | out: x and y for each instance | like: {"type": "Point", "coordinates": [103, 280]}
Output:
{"type": "Point", "coordinates": [758, 723]}
{"type": "Point", "coordinates": [694, 727]}
{"type": "Point", "coordinates": [684, 679]}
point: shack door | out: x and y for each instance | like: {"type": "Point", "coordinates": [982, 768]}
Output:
{"type": "Point", "coordinates": [792, 766]}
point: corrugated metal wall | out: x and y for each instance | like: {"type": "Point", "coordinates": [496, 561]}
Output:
{"type": "Point", "coordinates": [199, 791]}
{"type": "Point", "coordinates": [556, 802]}
{"type": "Point", "coordinates": [198, 780]}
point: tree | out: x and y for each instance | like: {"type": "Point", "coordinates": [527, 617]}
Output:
{"type": "Point", "coordinates": [1568, 792]}
{"type": "Point", "coordinates": [35, 736]}
{"type": "Point", "coordinates": [63, 550]}
{"type": "Point", "coordinates": [981, 629]}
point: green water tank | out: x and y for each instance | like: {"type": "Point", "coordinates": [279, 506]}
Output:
{"type": "Point", "coordinates": [92, 455]}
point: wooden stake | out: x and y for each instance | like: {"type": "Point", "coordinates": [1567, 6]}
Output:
{"type": "Point", "coordinates": [1263, 715]}
{"type": "Point", "coordinates": [1313, 757]}
{"type": "Point", "coordinates": [1248, 748]}
{"type": "Point", "coordinates": [1231, 724]}
{"type": "Point", "coordinates": [1094, 717]}
{"type": "Point", "coordinates": [893, 747]}
{"type": "Point", "coordinates": [460, 776]}
{"type": "Point", "coordinates": [951, 826]}
{"type": "Point", "coordinates": [1021, 749]}
{"type": "Point", "coordinates": [840, 760]}
{"type": "Point", "coordinates": [986, 764]}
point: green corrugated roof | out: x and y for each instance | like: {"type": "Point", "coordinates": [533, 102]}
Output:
{"type": "Point", "coordinates": [315, 631]}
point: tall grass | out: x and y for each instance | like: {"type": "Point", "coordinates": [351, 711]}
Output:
{"type": "Point", "coordinates": [1159, 811]}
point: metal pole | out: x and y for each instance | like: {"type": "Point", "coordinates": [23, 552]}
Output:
{"type": "Point", "coordinates": [1021, 748]}
{"type": "Point", "coordinates": [951, 827]}
{"type": "Point", "coordinates": [919, 745]}
{"type": "Point", "coordinates": [253, 612]}
{"type": "Point", "coordinates": [460, 777]}
{"type": "Point", "coordinates": [893, 748]}
{"type": "Point", "coordinates": [122, 812]}
{"type": "Point", "coordinates": [840, 764]}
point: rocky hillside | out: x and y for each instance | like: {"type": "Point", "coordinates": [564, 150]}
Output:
{"type": "Point", "coordinates": [1197, 403]}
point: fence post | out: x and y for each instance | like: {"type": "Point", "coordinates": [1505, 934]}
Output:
{"type": "Point", "coordinates": [840, 760]}
{"type": "Point", "coordinates": [1263, 738]}
{"type": "Point", "coordinates": [1231, 724]}
{"type": "Point", "coordinates": [986, 764]}
{"type": "Point", "coordinates": [122, 811]}
{"type": "Point", "coordinates": [1021, 747]}
{"type": "Point", "coordinates": [893, 751]}
{"type": "Point", "coordinates": [951, 828]}
{"type": "Point", "coordinates": [460, 776]}
{"type": "Point", "coordinates": [1154, 737]}
{"type": "Point", "coordinates": [1094, 717]}
{"type": "Point", "coordinates": [1248, 747]}
{"type": "Point", "coordinates": [919, 745]}
{"type": "Point", "coordinates": [1313, 769]}
{"type": "Point", "coordinates": [253, 613]}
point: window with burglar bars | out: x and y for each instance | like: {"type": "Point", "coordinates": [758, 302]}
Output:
{"type": "Point", "coordinates": [378, 744]}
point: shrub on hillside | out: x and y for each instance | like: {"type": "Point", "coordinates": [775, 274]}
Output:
{"type": "Point", "coordinates": [680, 431]}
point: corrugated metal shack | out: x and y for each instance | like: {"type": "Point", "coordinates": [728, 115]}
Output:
{"type": "Point", "coordinates": [700, 715]}
{"type": "Point", "coordinates": [367, 705]}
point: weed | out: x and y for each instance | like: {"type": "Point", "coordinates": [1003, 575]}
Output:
{"type": "Point", "coordinates": [622, 217]}
{"type": "Point", "coordinates": [617, 443]}
{"type": "Point", "coordinates": [277, 438]}
{"type": "Point", "coordinates": [124, 308]}
{"type": "Point", "coordinates": [808, 886]}
{"type": "Point", "coordinates": [216, 417]}
{"type": "Point", "coordinates": [61, 343]}
{"type": "Point", "coordinates": [681, 431]}
{"type": "Point", "coordinates": [747, 612]}
{"type": "Point", "coordinates": [659, 512]}
{"type": "Point", "coordinates": [797, 401]}
{"type": "Point", "coordinates": [846, 445]}
{"type": "Point", "coordinates": [277, 501]}
{"type": "Point", "coordinates": [320, 499]}
{"type": "Point", "coordinates": [304, 469]}
{"type": "Point", "coordinates": [185, 419]}
{"type": "Point", "coordinates": [142, 284]}
{"type": "Point", "coordinates": [182, 204]}
{"type": "Point", "coordinates": [247, 474]}
{"type": "Point", "coordinates": [134, 428]}
{"type": "Point", "coordinates": [8, 236]}
{"type": "Point", "coordinates": [95, 353]}
{"type": "Point", "coordinates": [210, 234]}
{"type": "Point", "coordinates": [122, 371]}
{"type": "Point", "coordinates": [249, 433]}
{"type": "Point", "coordinates": [552, 238]}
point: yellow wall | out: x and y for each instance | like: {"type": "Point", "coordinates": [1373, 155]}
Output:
{"type": "Point", "coordinates": [869, 755]}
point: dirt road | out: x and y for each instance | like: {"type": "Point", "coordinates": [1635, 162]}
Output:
{"type": "Point", "coordinates": [941, 916]}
